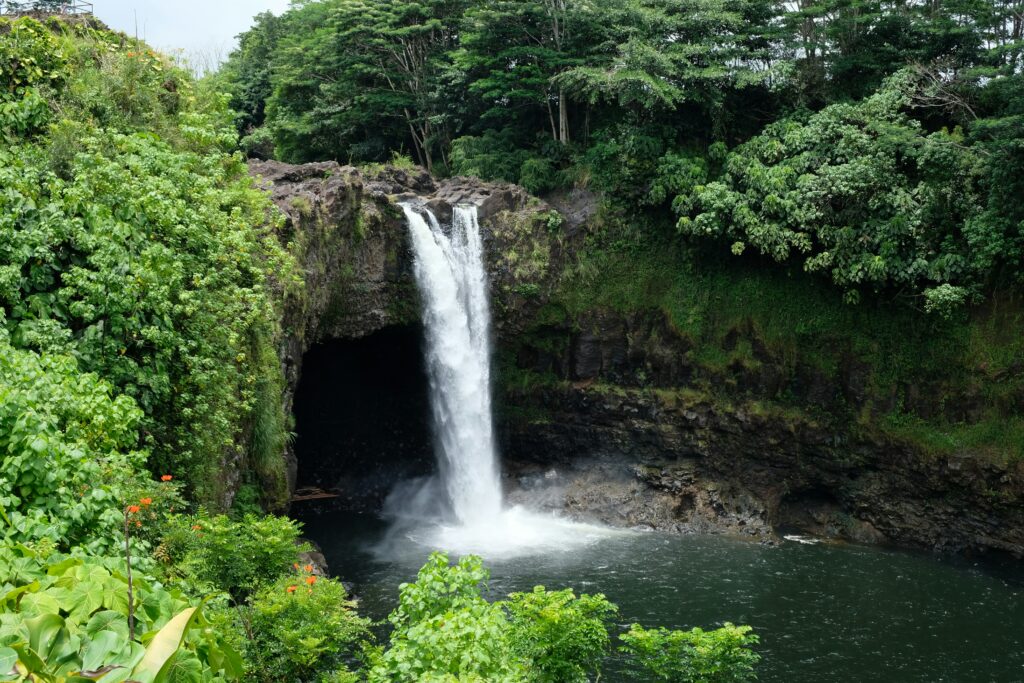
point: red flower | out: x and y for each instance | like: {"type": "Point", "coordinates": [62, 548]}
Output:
{"type": "Point", "coordinates": [132, 509]}
{"type": "Point", "coordinates": [146, 501]}
{"type": "Point", "coordinates": [166, 477]}
{"type": "Point", "coordinates": [291, 589]}
{"type": "Point", "coordinates": [310, 580]}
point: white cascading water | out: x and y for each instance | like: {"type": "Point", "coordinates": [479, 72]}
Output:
{"type": "Point", "coordinates": [450, 273]}
{"type": "Point", "coordinates": [453, 283]}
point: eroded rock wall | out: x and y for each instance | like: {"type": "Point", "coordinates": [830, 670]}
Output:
{"type": "Point", "coordinates": [347, 231]}
{"type": "Point", "coordinates": [605, 414]}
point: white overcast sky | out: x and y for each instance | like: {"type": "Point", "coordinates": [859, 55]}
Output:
{"type": "Point", "coordinates": [203, 28]}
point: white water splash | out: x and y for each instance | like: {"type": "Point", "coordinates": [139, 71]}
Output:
{"type": "Point", "coordinates": [462, 512]}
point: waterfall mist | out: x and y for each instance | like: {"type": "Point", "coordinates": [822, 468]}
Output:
{"type": "Point", "coordinates": [461, 509]}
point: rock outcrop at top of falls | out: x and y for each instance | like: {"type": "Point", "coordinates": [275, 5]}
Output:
{"type": "Point", "coordinates": [350, 236]}
{"type": "Point", "coordinates": [611, 414]}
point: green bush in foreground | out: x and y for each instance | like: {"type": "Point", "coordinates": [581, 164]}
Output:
{"type": "Point", "coordinates": [697, 656]}
{"type": "Point", "coordinates": [446, 631]}
{"type": "Point", "coordinates": [296, 626]}
{"type": "Point", "coordinates": [562, 636]}
{"type": "Point", "coordinates": [303, 628]}
{"type": "Point", "coordinates": [234, 556]}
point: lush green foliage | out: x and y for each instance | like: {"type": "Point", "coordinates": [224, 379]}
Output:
{"type": "Point", "coordinates": [564, 638]}
{"type": "Point", "coordinates": [445, 630]}
{"type": "Point", "coordinates": [697, 656]}
{"type": "Point", "coordinates": [234, 556]}
{"type": "Point", "coordinates": [144, 257]}
{"type": "Point", "coordinates": [861, 193]}
{"type": "Point", "coordinates": [901, 186]}
{"type": "Point", "coordinates": [67, 451]}
{"type": "Point", "coordinates": [64, 617]}
{"type": "Point", "coordinates": [303, 627]}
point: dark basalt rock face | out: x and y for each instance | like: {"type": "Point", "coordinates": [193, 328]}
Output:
{"type": "Point", "coordinates": [635, 457]}
{"type": "Point", "coordinates": [627, 429]}
{"type": "Point", "coordinates": [352, 244]}
{"type": "Point", "coordinates": [629, 433]}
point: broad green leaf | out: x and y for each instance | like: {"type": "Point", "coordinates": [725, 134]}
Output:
{"type": "Point", "coordinates": [12, 596]}
{"type": "Point", "coordinates": [40, 603]}
{"type": "Point", "coordinates": [29, 659]}
{"type": "Point", "coordinates": [8, 658]}
{"type": "Point", "coordinates": [107, 620]}
{"type": "Point", "coordinates": [183, 667]}
{"type": "Point", "coordinates": [50, 639]}
{"type": "Point", "coordinates": [163, 646]}
{"type": "Point", "coordinates": [82, 601]}
{"type": "Point", "coordinates": [102, 651]}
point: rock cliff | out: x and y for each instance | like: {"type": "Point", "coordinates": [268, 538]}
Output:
{"type": "Point", "coordinates": [603, 413]}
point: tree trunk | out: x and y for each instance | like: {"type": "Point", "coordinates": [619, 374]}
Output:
{"type": "Point", "coordinates": [563, 117]}
{"type": "Point", "coordinates": [551, 118]}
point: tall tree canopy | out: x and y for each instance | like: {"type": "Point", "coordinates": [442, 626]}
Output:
{"type": "Point", "coordinates": [880, 141]}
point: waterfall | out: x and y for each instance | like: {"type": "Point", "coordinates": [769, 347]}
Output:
{"type": "Point", "coordinates": [461, 510]}
{"type": "Point", "coordinates": [450, 272]}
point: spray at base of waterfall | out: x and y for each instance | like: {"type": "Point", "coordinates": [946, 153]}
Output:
{"type": "Point", "coordinates": [461, 510]}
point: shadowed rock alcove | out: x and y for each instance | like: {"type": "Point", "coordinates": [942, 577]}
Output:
{"type": "Point", "coordinates": [362, 416]}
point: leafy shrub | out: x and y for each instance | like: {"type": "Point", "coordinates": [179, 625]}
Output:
{"type": "Point", "coordinates": [563, 637]}
{"type": "Point", "coordinates": [858, 192]}
{"type": "Point", "coordinates": [492, 156]}
{"type": "Point", "coordinates": [235, 556]}
{"type": "Point", "coordinates": [30, 56]}
{"type": "Point", "coordinates": [444, 630]}
{"type": "Point", "coordinates": [67, 452]}
{"type": "Point", "coordinates": [624, 159]}
{"type": "Point", "coordinates": [538, 175]}
{"type": "Point", "coordinates": [697, 656]}
{"type": "Point", "coordinates": [258, 144]}
{"type": "Point", "coordinates": [302, 627]}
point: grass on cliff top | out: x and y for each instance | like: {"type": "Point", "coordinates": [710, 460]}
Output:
{"type": "Point", "coordinates": [798, 318]}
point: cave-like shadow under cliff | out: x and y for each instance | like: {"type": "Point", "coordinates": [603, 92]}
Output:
{"type": "Point", "coordinates": [362, 417]}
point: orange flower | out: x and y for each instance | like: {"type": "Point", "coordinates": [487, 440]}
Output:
{"type": "Point", "coordinates": [291, 589]}
{"type": "Point", "coordinates": [310, 580]}
{"type": "Point", "coordinates": [166, 477]}
{"type": "Point", "coordinates": [196, 527]}
{"type": "Point", "coordinates": [138, 523]}
{"type": "Point", "coordinates": [132, 509]}
{"type": "Point", "coordinates": [146, 501]}
{"type": "Point", "coordinates": [308, 568]}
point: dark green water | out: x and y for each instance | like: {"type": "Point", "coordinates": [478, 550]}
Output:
{"type": "Point", "coordinates": [824, 612]}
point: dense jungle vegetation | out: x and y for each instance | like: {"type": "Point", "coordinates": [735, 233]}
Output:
{"type": "Point", "coordinates": [142, 276]}
{"type": "Point", "coordinates": [840, 174]}
{"type": "Point", "coordinates": [875, 143]}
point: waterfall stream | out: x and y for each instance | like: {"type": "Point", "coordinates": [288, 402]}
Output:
{"type": "Point", "coordinates": [461, 510]}
{"type": "Point", "coordinates": [452, 280]}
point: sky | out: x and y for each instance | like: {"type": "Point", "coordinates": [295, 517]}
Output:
{"type": "Point", "coordinates": [204, 29]}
